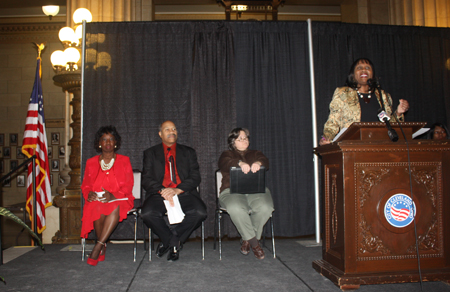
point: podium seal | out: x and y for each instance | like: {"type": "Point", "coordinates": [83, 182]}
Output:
{"type": "Point", "coordinates": [399, 210]}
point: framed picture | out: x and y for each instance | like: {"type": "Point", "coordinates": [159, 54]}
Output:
{"type": "Point", "coordinates": [19, 154]}
{"type": "Point", "coordinates": [21, 180]}
{"type": "Point", "coordinates": [55, 165]}
{"type": "Point", "coordinates": [62, 151]}
{"type": "Point", "coordinates": [13, 139]}
{"type": "Point", "coordinates": [51, 179]}
{"type": "Point", "coordinates": [7, 182]}
{"type": "Point", "coordinates": [13, 164]}
{"type": "Point", "coordinates": [60, 180]}
{"type": "Point", "coordinates": [55, 138]}
{"type": "Point", "coordinates": [6, 152]}
{"type": "Point", "coordinates": [49, 151]}
{"type": "Point", "coordinates": [2, 166]}
{"type": "Point", "coordinates": [2, 139]}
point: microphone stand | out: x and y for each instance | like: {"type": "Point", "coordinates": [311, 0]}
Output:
{"type": "Point", "coordinates": [410, 189]}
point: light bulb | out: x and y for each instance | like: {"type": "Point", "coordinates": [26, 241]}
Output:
{"type": "Point", "coordinates": [79, 32]}
{"type": "Point", "coordinates": [58, 58]}
{"type": "Point", "coordinates": [72, 55]}
{"type": "Point", "coordinates": [82, 14]}
{"type": "Point", "coordinates": [66, 34]}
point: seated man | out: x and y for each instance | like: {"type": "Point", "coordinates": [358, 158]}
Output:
{"type": "Point", "coordinates": [171, 169]}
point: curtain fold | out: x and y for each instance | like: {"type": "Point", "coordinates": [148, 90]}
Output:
{"type": "Point", "coordinates": [273, 102]}
{"type": "Point", "coordinates": [213, 103]}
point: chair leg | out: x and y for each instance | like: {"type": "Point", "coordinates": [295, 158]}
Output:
{"type": "Point", "coordinates": [135, 236]}
{"type": "Point", "coordinates": [83, 248]}
{"type": "Point", "coordinates": [150, 244]}
{"type": "Point", "coordinates": [203, 240]}
{"type": "Point", "coordinates": [143, 230]}
{"type": "Point", "coordinates": [219, 235]}
{"type": "Point", "coordinates": [273, 238]}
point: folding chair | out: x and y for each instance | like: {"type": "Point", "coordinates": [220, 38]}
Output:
{"type": "Point", "coordinates": [135, 211]}
{"type": "Point", "coordinates": [220, 210]}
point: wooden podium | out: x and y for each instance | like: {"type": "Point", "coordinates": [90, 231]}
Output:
{"type": "Point", "coordinates": [367, 219]}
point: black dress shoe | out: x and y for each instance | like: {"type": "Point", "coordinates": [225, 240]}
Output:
{"type": "Point", "coordinates": [161, 249]}
{"type": "Point", "coordinates": [174, 254]}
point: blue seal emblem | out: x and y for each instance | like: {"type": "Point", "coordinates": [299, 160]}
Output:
{"type": "Point", "coordinates": [399, 210]}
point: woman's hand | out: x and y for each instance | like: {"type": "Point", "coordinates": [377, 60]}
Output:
{"type": "Point", "coordinates": [324, 141]}
{"type": "Point", "coordinates": [92, 196]}
{"type": "Point", "coordinates": [245, 167]}
{"type": "Point", "coordinates": [256, 166]}
{"type": "Point", "coordinates": [107, 196]}
{"type": "Point", "coordinates": [403, 107]}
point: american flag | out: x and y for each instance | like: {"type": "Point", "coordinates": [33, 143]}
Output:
{"type": "Point", "coordinates": [35, 142]}
{"type": "Point", "coordinates": [399, 214]}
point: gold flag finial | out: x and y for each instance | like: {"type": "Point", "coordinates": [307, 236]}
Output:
{"type": "Point", "coordinates": [40, 47]}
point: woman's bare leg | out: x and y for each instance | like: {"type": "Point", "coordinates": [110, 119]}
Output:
{"type": "Point", "coordinates": [103, 229]}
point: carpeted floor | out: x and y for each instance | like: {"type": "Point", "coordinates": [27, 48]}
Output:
{"type": "Point", "coordinates": [60, 268]}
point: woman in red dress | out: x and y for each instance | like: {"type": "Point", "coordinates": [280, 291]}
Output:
{"type": "Point", "coordinates": [107, 190]}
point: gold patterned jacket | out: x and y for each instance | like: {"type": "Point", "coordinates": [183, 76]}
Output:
{"type": "Point", "coordinates": [345, 110]}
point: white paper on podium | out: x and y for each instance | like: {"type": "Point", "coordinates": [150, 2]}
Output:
{"type": "Point", "coordinates": [420, 132]}
{"type": "Point", "coordinates": [339, 134]}
{"type": "Point", "coordinates": [175, 213]}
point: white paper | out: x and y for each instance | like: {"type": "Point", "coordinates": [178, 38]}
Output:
{"type": "Point", "coordinates": [339, 134]}
{"type": "Point", "coordinates": [175, 213]}
{"type": "Point", "coordinates": [101, 198]}
{"type": "Point", "coordinates": [121, 199]}
{"type": "Point", "coordinates": [420, 132]}
{"type": "Point", "coordinates": [100, 194]}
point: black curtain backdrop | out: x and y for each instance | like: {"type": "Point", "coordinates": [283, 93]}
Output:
{"type": "Point", "coordinates": [209, 77]}
{"type": "Point", "coordinates": [140, 74]}
{"type": "Point", "coordinates": [274, 103]}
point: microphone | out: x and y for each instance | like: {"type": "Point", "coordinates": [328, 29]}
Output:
{"type": "Point", "coordinates": [383, 117]}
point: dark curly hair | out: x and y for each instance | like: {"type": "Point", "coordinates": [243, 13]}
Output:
{"type": "Point", "coordinates": [351, 82]}
{"type": "Point", "coordinates": [107, 130]}
{"type": "Point", "coordinates": [234, 134]}
{"type": "Point", "coordinates": [430, 133]}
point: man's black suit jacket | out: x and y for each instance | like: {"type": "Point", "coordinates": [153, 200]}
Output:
{"type": "Point", "coordinates": [154, 169]}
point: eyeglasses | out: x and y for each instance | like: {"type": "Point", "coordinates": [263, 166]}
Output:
{"type": "Point", "coordinates": [242, 139]}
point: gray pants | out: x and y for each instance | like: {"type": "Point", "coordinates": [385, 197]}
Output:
{"type": "Point", "coordinates": [249, 212]}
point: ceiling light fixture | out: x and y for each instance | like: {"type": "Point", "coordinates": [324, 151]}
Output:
{"type": "Point", "coordinates": [50, 10]}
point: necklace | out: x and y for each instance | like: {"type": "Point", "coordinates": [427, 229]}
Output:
{"type": "Point", "coordinates": [106, 166]}
{"type": "Point", "coordinates": [361, 95]}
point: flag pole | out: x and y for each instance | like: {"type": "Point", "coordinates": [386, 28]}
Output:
{"type": "Point", "coordinates": [34, 201]}
{"type": "Point", "coordinates": [35, 145]}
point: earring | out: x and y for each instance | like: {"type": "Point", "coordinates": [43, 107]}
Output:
{"type": "Point", "coordinates": [99, 146]}
{"type": "Point", "coordinates": [115, 146]}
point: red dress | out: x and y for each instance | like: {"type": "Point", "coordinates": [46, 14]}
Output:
{"type": "Point", "coordinates": [118, 180]}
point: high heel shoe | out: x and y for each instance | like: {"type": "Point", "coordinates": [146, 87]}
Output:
{"type": "Point", "coordinates": [92, 262]}
{"type": "Point", "coordinates": [101, 257]}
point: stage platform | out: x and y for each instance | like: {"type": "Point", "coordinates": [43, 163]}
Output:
{"type": "Point", "coordinates": [60, 268]}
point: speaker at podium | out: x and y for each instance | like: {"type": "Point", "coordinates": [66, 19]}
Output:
{"type": "Point", "coordinates": [368, 210]}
